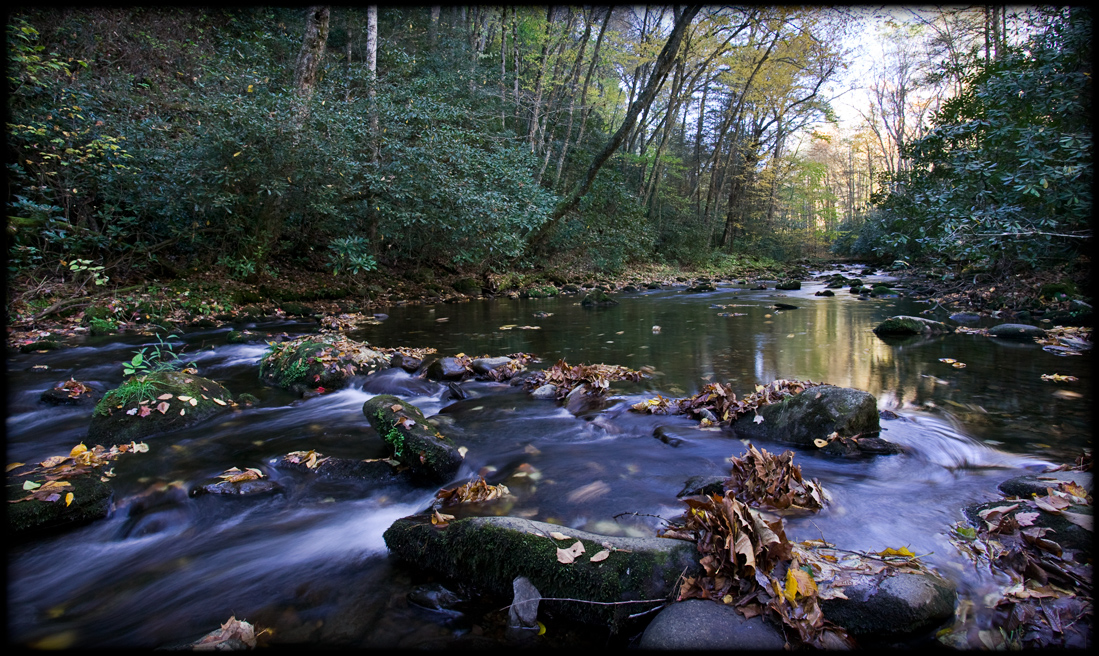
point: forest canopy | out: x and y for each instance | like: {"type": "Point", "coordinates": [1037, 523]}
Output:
{"type": "Point", "coordinates": [147, 140]}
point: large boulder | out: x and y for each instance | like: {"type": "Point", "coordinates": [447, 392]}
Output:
{"type": "Point", "coordinates": [490, 552]}
{"type": "Point", "coordinates": [428, 454]}
{"type": "Point", "coordinates": [156, 403]}
{"type": "Point", "coordinates": [906, 325]}
{"type": "Point", "coordinates": [313, 361]}
{"type": "Point", "coordinates": [900, 604]}
{"type": "Point", "coordinates": [814, 414]}
{"type": "Point", "coordinates": [697, 624]}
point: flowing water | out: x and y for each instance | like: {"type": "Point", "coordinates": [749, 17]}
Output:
{"type": "Point", "coordinates": [309, 562]}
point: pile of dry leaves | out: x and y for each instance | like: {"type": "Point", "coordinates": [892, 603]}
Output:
{"type": "Point", "coordinates": [595, 377]}
{"type": "Point", "coordinates": [718, 401]}
{"type": "Point", "coordinates": [770, 481]}
{"type": "Point", "coordinates": [1048, 602]}
{"type": "Point", "coordinates": [475, 491]}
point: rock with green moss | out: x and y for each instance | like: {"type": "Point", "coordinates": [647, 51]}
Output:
{"type": "Point", "coordinates": [543, 291]}
{"type": "Point", "coordinates": [905, 325]}
{"type": "Point", "coordinates": [429, 455]}
{"type": "Point", "coordinates": [598, 298]}
{"type": "Point", "coordinates": [91, 500]}
{"type": "Point", "coordinates": [313, 361]}
{"type": "Point", "coordinates": [467, 286]}
{"type": "Point", "coordinates": [490, 552]}
{"type": "Point", "coordinates": [882, 290]}
{"type": "Point", "coordinates": [788, 284]}
{"type": "Point", "coordinates": [814, 414]}
{"type": "Point", "coordinates": [133, 411]}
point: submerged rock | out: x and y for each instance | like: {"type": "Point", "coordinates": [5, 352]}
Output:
{"type": "Point", "coordinates": [133, 411]}
{"type": "Point", "coordinates": [490, 552]}
{"type": "Point", "coordinates": [905, 325]}
{"type": "Point", "coordinates": [1019, 331]}
{"type": "Point", "coordinates": [428, 454]}
{"type": "Point", "coordinates": [697, 624]}
{"type": "Point", "coordinates": [814, 414]}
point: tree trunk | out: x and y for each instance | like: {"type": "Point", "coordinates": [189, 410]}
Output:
{"type": "Point", "coordinates": [660, 71]}
{"type": "Point", "coordinates": [308, 65]}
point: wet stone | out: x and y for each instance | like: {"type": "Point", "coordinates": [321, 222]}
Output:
{"type": "Point", "coordinates": [697, 624]}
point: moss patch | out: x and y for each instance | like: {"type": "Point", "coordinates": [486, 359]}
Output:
{"type": "Point", "coordinates": [490, 552]}
{"type": "Point", "coordinates": [314, 361]}
{"type": "Point", "coordinates": [118, 418]}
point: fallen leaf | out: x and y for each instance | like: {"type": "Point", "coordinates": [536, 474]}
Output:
{"type": "Point", "coordinates": [163, 407]}
{"type": "Point", "coordinates": [164, 397]}
{"type": "Point", "coordinates": [569, 555]}
{"type": "Point", "coordinates": [132, 411]}
{"type": "Point", "coordinates": [557, 535]}
{"type": "Point", "coordinates": [218, 401]}
{"type": "Point", "coordinates": [601, 556]}
{"type": "Point", "coordinates": [31, 485]}
{"type": "Point", "coordinates": [14, 465]}
{"type": "Point", "coordinates": [69, 499]}
{"type": "Point", "coordinates": [145, 411]}
{"type": "Point", "coordinates": [820, 443]}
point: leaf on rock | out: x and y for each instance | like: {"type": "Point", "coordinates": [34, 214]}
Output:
{"type": "Point", "coordinates": [145, 411]}
{"type": "Point", "coordinates": [31, 485]}
{"type": "Point", "coordinates": [600, 556]}
{"type": "Point", "coordinates": [163, 407]}
{"type": "Point", "coordinates": [569, 555]}
{"type": "Point", "coordinates": [164, 397]}
{"type": "Point", "coordinates": [69, 499]}
{"type": "Point", "coordinates": [233, 629]}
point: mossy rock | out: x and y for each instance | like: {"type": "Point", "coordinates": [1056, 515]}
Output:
{"type": "Point", "coordinates": [91, 501]}
{"type": "Point", "coordinates": [598, 298]}
{"type": "Point", "coordinates": [247, 296]}
{"type": "Point", "coordinates": [40, 345]}
{"type": "Point", "coordinates": [467, 286]}
{"type": "Point", "coordinates": [313, 361]}
{"type": "Point", "coordinates": [545, 291]}
{"type": "Point", "coordinates": [490, 552]}
{"type": "Point", "coordinates": [112, 424]}
{"type": "Point", "coordinates": [882, 290]}
{"type": "Point", "coordinates": [906, 325]}
{"type": "Point", "coordinates": [1057, 291]}
{"type": "Point", "coordinates": [295, 309]}
{"type": "Point", "coordinates": [251, 312]}
{"type": "Point", "coordinates": [814, 414]}
{"type": "Point", "coordinates": [428, 454]}
{"type": "Point", "coordinates": [788, 285]}
{"type": "Point", "coordinates": [96, 312]}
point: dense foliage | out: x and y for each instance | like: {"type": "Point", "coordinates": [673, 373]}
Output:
{"type": "Point", "coordinates": [1005, 175]}
{"type": "Point", "coordinates": [145, 142]}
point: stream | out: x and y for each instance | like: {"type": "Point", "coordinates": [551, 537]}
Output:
{"type": "Point", "coordinates": [309, 564]}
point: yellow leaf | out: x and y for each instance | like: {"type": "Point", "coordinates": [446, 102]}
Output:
{"type": "Point", "coordinates": [820, 443]}
{"type": "Point", "coordinates": [14, 465]}
{"type": "Point", "coordinates": [791, 590]}
{"type": "Point", "coordinates": [236, 154]}
{"type": "Point", "coordinates": [541, 628]}
{"type": "Point", "coordinates": [77, 450]}
{"type": "Point", "coordinates": [903, 551]}
{"type": "Point", "coordinates": [68, 498]}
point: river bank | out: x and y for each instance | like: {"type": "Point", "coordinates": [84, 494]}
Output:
{"type": "Point", "coordinates": [42, 313]}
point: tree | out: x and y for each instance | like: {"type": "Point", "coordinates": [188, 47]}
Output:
{"type": "Point", "coordinates": [656, 79]}
{"type": "Point", "coordinates": [1005, 175]}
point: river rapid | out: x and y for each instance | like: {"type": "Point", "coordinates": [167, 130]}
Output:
{"type": "Point", "coordinates": [309, 564]}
